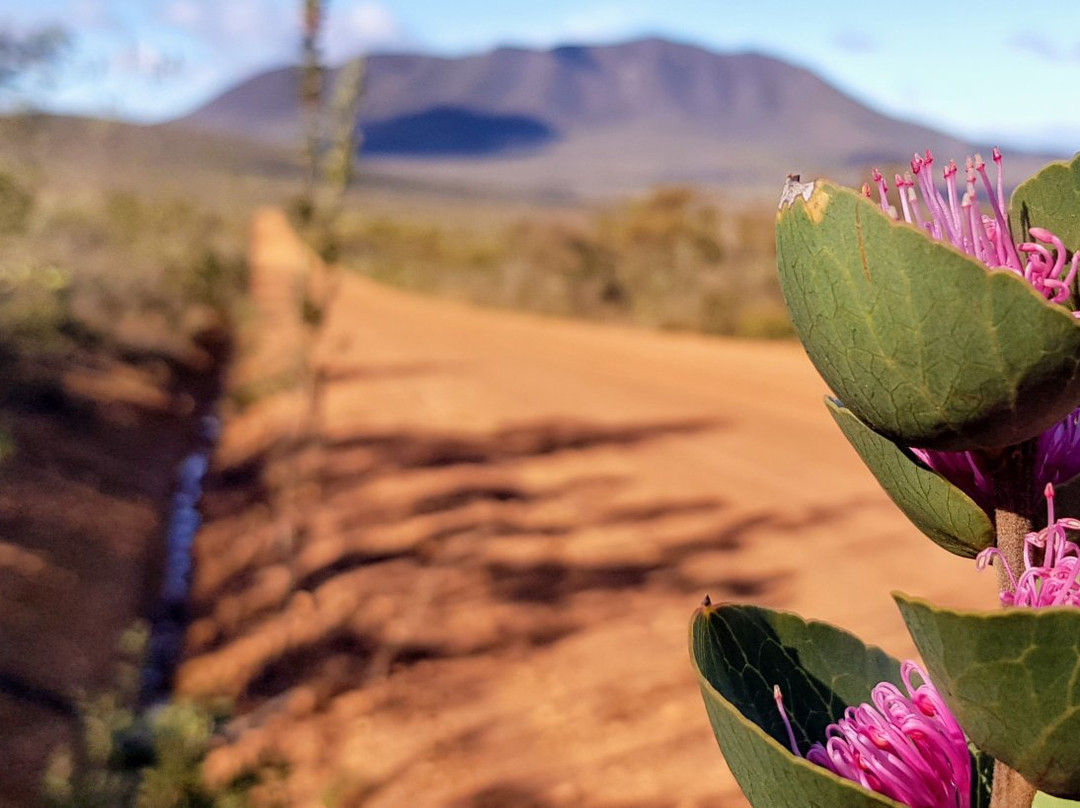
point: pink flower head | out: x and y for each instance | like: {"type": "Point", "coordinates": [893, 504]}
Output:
{"type": "Point", "coordinates": [1057, 461]}
{"type": "Point", "coordinates": [964, 470]}
{"type": "Point", "coordinates": [955, 217]}
{"type": "Point", "coordinates": [986, 238]}
{"type": "Point", "coordinates": [1055, 579]}
{"type": "Point", "coordinates": [908, 748]}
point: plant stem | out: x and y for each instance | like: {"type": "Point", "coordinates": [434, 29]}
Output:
{"type": "Point", "coordinates": [311, 91]}
{"type": "Point", "coordinates": [1010, 789]}
{"type": "Point", "coordinates": [1014, 499]}
{"type": "Point", "coordinates": [1013, 521]}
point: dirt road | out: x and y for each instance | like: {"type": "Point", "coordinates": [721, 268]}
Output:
{"type": "Point", "coordinates": [515, 517]}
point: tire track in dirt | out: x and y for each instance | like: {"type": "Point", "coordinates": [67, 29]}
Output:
{"type": "Point", "coordinates": [512, 520]}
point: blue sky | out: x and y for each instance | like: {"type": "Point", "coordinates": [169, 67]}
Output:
{"type": "Point", "coordinates": [996, 71]}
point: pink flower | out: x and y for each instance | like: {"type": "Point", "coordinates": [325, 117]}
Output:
{"type": "Point", "coordinates": [908, 748]}
{"type": "Point", "coordinates": [1057, 461]}
{"type": "Point", "coordinates": [965, 470]}
{"type": "Point", "coordinates": [985, 238]}
{"type": "Point", "coordinates": [989, 240]}
{"type": "Point", "coordinates": [1055, 581]}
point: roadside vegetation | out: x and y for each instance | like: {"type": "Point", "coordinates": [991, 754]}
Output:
{"type": "Point", "coordinates": [673, 258]}
{"type": "Point", "coordinates": [116, 306]}
{"type": "Point", "coordinates": [118, 272]}
{"type": "Point", "coordinates": [123, 756]}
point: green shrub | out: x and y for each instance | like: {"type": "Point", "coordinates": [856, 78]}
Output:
{"type": "Point", "coordinates": [670, 259]}
{"type": "Point", "coordinates": [16, 205]}
{"type": "Point", "coordinates": [122, 267]}
{"type": "Point", "coordinates": [765, 321]}
{"type": "Point", "coordinates": [125, 757]}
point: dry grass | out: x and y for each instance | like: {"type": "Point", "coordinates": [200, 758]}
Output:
{"type": "Point", "coordinates": [120, 273]}
{"type": "Point", "coordinates": [674, 259]}
{"type": "Point", "coordinates": [154, 211]}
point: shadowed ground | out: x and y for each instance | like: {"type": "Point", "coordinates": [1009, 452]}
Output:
{"type": "Point", "coordinates": [96, 441]}
{"type": "Point", "coordinates": [511, 519]}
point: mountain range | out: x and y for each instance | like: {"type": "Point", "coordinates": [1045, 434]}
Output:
{"type": "Point", "coordinates": [593, 119]}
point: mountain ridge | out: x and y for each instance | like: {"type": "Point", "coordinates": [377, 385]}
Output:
{"type": "Point", "coordinates": [593, 117]}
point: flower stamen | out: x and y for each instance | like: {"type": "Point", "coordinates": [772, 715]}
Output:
{"type": "Point", "coordinates": [1006, 249]}
{"type": "Point", "coordinates": [1052, 581]}
{"type": "Point", "coordinates": [778, 697]}
{"type": "Point", "coordinates": [986, 238]}
{"type": "Point", "coordinates": [908, 748]}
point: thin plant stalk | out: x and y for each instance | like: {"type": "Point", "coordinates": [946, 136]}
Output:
{"type": "Point", "coordinates": [1013, 519]}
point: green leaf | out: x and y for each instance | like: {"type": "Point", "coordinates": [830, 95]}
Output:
{"type": "Point", "coordinates": [922, 343]}
{"type": "Point", "coordinates": [935, 506]}
{"type": "Point", "coordinates": [739, 653]}
{"type": "Point", "coordinates": [1066, 502]}
{"type": "Point", "coordinates": [1046, 801]}
{"type": "Point", "coordinates": [1012, 679]}
{"type": "Point", "coordinates": [1050, 199]}
{"type": "Point", "coordinates": [982, 778]}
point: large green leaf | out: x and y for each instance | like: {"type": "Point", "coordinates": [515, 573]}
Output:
{"type": "Point", "coordinates": [920, 341]}
{"type": "Point", "coordinates": [1050, 199]}
{"type": "Point", "coordinates": [739, 653]}
{"type": "Point", "coordinates": [1046, 801]}
{"type": "Point", "coordinates": [1012, 679]}
{"type": "Point", "coordinates": [935, 506]}
{"type": "Point", "coordinates": [1066, 501]}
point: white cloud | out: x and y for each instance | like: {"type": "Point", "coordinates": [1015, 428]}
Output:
{"type": "Point", "coordinates": [88, 13]}
{"type": "Point", "coordinates": [362, 27]}
{"type": "Point", "coordinates": [243, 17]}
{"type": "Point", "coordinates": [1035, 44]}
{"type": "Point", "coordinates": [373, 21]}
{"type": "Point", "coordinates": [238, 31]}
{"type": "Point", "coordinates": [184, 13]}
{"type": "Point", "coordinates": [599, 22]}
{"type": "Point", "coordinates": [146, 61]}
{"type": "Point", "coordinates": [587, 24]}
{"type": "Point", "coordinates": [855, 42]}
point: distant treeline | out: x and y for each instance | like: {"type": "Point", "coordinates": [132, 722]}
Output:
{"type": "Point", "coordinates": [672, 259]}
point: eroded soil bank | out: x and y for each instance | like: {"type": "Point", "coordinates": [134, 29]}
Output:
{"type": "Point", "coordinates": [95, 438]}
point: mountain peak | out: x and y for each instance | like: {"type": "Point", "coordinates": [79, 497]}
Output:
{"type": "Point", "coordinates": [628, 114]}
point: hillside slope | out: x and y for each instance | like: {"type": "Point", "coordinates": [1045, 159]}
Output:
{"type": "Point", "coordinates": [593, 118]}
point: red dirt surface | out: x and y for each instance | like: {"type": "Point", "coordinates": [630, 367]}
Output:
{"type": "Point", "coordinates": [510, 521]}
{"type": "Point", "coordinates": [96, 443]}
